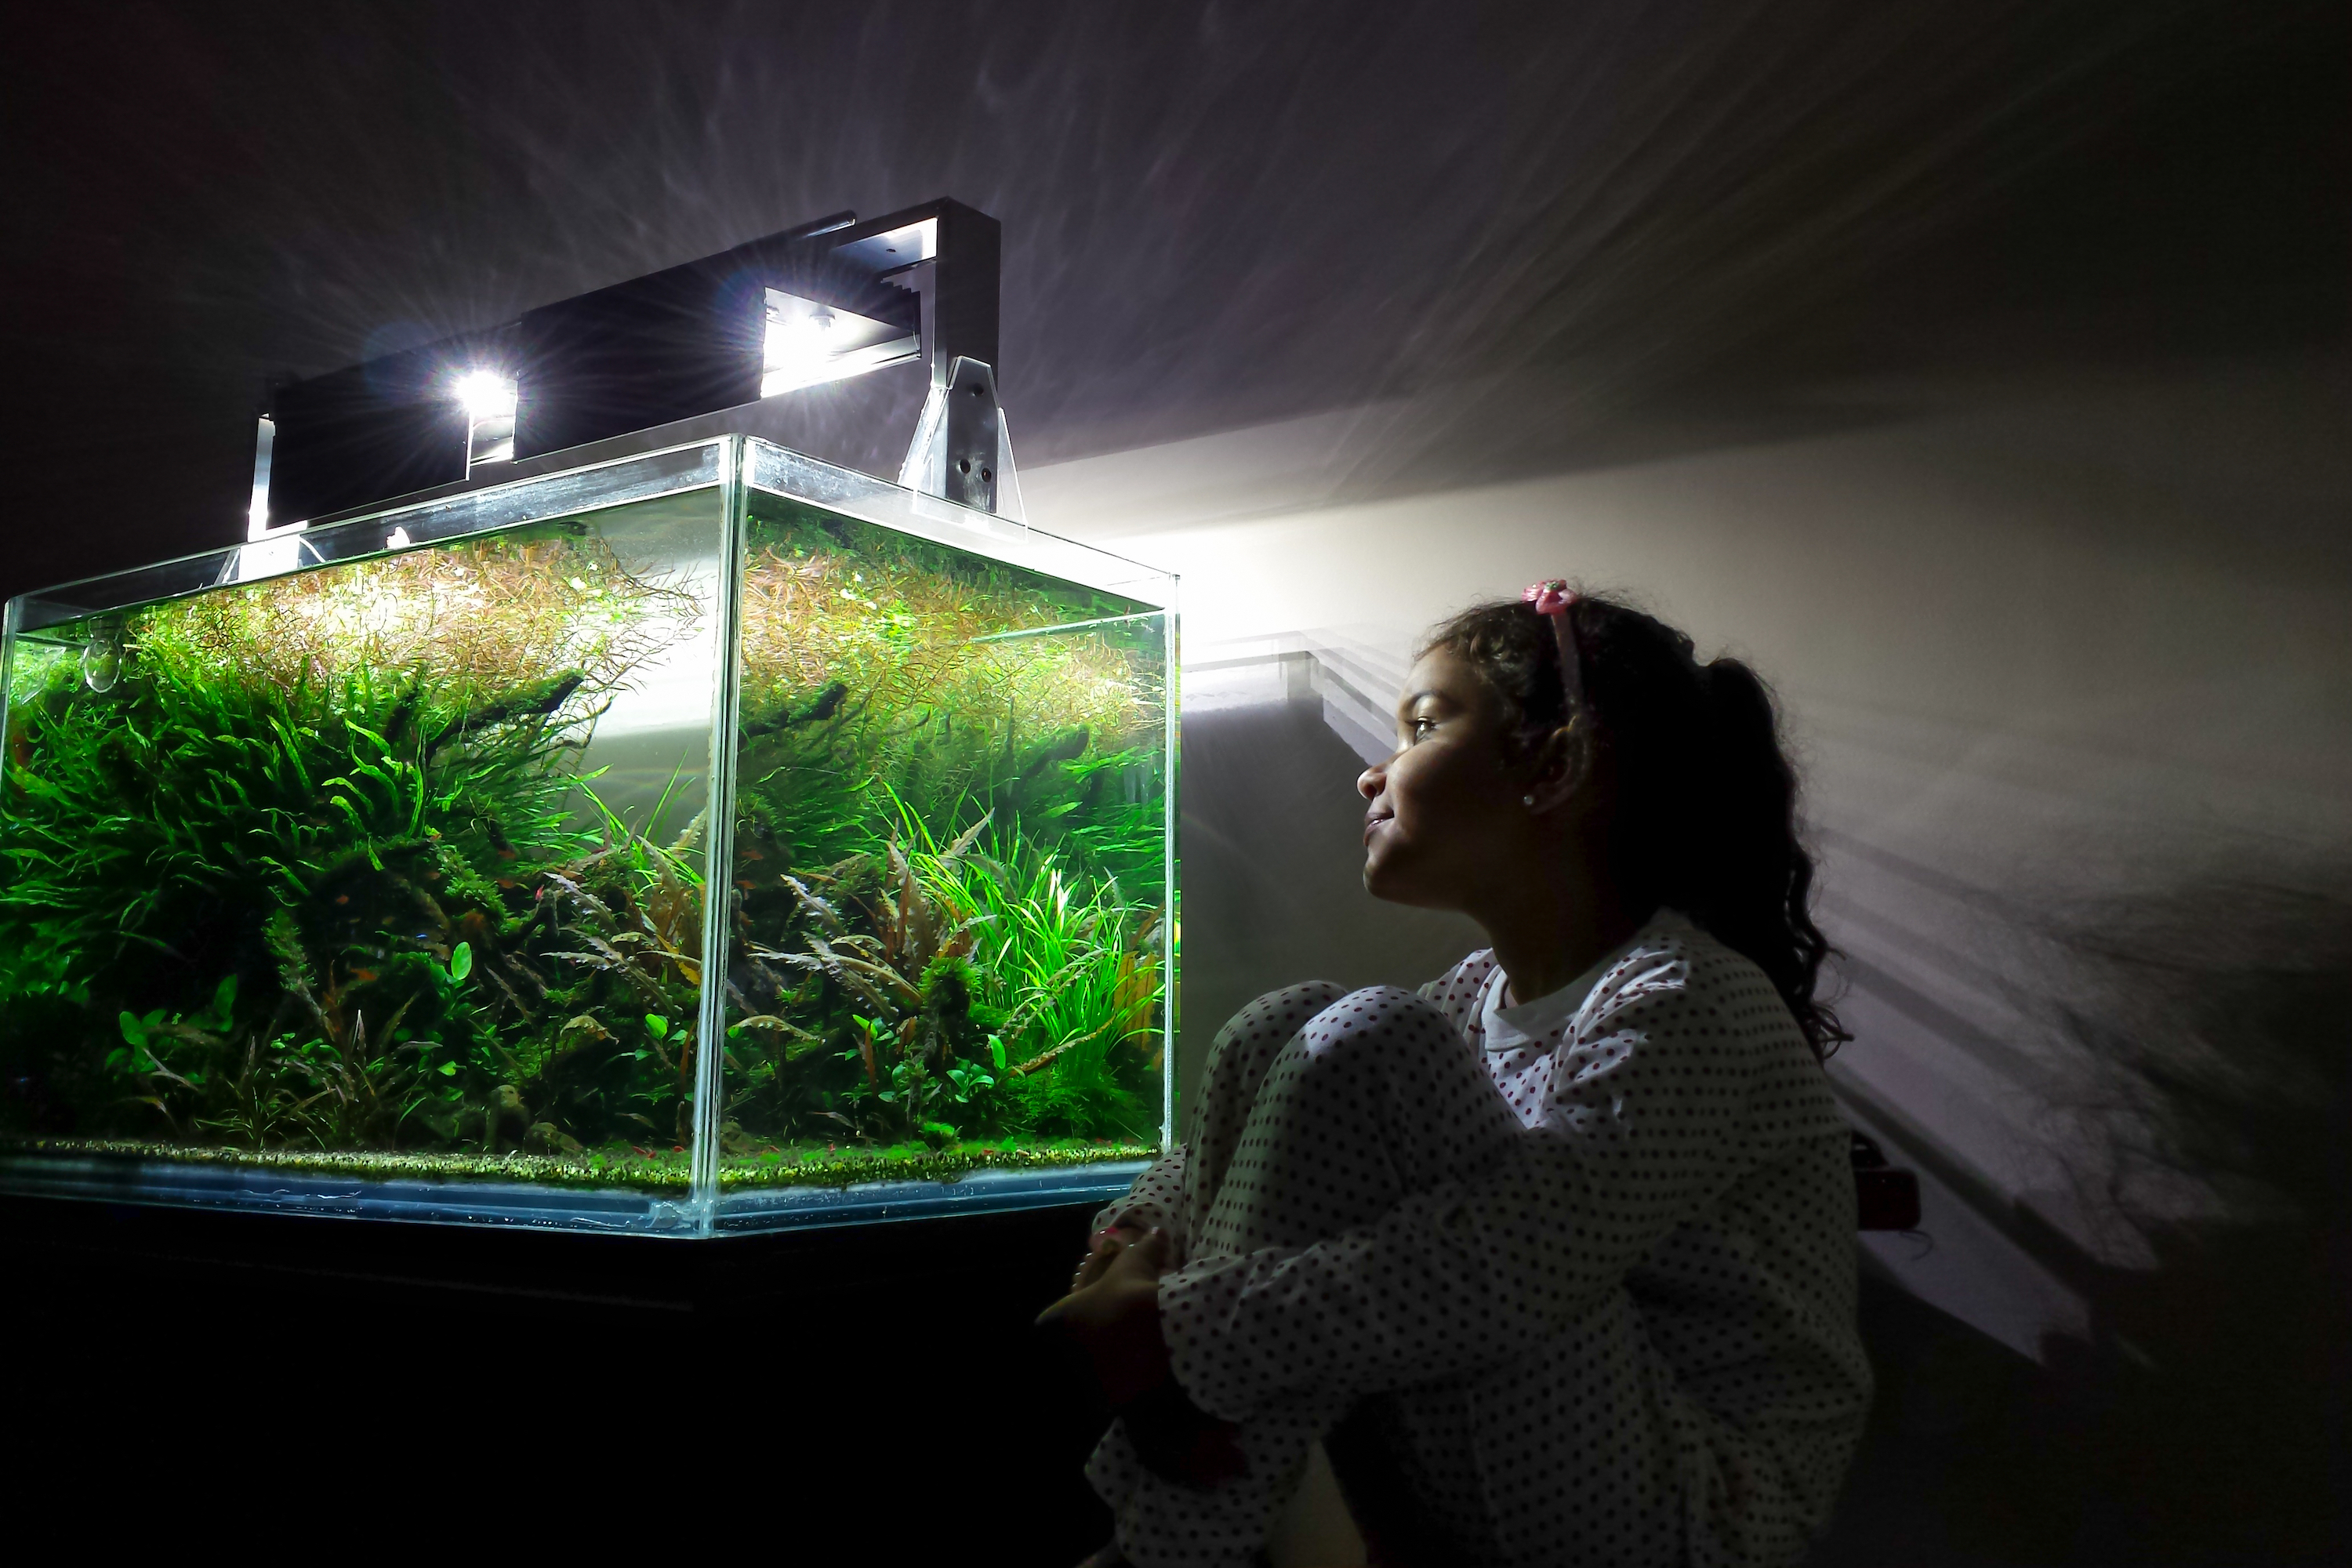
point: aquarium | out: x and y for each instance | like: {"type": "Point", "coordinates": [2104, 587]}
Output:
{"type": "Point", "coordinates": [707, 840]}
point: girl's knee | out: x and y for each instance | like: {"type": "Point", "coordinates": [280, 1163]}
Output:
{"type": "Point", "coordinates": [1278, 1015]}
{"type": "Point", "coordinates": [1376, 1025]}
{"type": "Point", "coordinates": [1246, 1048]}
{"type": "Point", "coordinates": [1380, 1011]}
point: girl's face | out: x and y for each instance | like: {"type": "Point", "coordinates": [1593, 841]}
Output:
{"type": "Point", "coordinates": [1444, 814]}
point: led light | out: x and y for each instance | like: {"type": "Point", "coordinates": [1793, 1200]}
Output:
{"type": "Point", "coordinates": [397, 540]}
{"type": "Point", "coordinates": [808, 342]}
{"type": "Point", "coordinates": [490, 401]}
{"type": "Point", "coordinates": [486, 395]}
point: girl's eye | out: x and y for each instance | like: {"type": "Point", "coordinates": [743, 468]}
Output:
{"type": "Point", "coordinates": [1421, 727]}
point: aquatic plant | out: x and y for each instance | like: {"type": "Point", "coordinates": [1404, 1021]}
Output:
{"type": "Point", "coordinates": [960, 683]}
{"type": "Point", "coordinates": [1075, 969]}
{"type": "Point", "coordinates": [296, 850]}
{"type": "Point", "coordinates": [910, 644]}
{"type": "Point", "coordinates": [486, 617]}
{"type": "Point", "coordinates": [966, 989]}
{"type": "Point", "coordinates": [309, 867]}
{"type": "Point", "coordinates": [892, 985]}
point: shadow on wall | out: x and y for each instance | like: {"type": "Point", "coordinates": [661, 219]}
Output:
{"type": "Point", "coordinates": [2204, 1409]}
{"type": "Point", "coordinates": [2198, 1418]}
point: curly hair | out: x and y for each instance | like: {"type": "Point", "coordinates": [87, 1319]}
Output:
{"type": "Point", "coordinates": [1705, 817]}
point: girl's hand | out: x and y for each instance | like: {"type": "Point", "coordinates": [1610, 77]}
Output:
{"type": "Point", "coordinates": [1104, 1247]}
{"type": "Point", "coordinates": [1113, 1315]}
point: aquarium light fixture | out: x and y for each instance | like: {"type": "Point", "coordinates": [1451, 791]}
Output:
{"type": "Point", "coordinates": [821, 303]}
{"type": "Point", "coordinates": [489, 400]}
{"type": "Point", "coordinates": [808, 342]}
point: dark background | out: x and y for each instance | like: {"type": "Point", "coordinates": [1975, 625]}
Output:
{"type": "Point", "coordinates": [1213, 215]}
{"type": "Point", "coordinates": [1564, 237]}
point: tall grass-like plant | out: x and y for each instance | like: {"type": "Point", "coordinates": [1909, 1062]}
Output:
{"type": "Point", "coordinates": [1074, 966]}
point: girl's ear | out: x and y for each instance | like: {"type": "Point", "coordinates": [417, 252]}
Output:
{"type": "Point", "coordinates": [1560, 775]}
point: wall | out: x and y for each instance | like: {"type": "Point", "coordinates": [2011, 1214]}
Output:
{"type": "Point", "coordinates": [2066, 662]}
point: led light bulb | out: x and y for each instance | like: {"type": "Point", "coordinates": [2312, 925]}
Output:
{"type": "Point", "coordinates": [490, 401]}
{"type": "Point", "coordinates": [807, 341]}
{"type": "Point", "coordinates": [486, 396]}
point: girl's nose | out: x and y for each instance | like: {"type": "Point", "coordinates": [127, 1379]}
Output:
{"type": "Point", "coordinates": [1370, 783]}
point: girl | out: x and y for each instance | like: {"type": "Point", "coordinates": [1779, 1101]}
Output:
{"type": "Point", "coordinates": [1558, 1254]}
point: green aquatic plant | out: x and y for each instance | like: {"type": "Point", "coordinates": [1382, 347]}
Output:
{"type": "Point", "coordinates": [949, 846]}
{"type": "Point", "coordinates": [875, 661]}
{"type": "Point", "coordinates": [938, 991]}
{"type": "Point", "coordinates": [311, 869]}
{"type": "Point", "coordinates": [872, 964]}
{"type": "Point", "coordinates": [1076, 969]}
{"type": "Point", "coordinates": [298, 850]}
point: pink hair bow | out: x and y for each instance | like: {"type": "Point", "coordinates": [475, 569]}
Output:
{"type": "Point", "coordinates": [1552, 598]}
{"type": "Point", "coordinates": [1558, 600]}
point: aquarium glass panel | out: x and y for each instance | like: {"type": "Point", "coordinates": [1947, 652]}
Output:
{"type": "Point", "coordinates": [364, 868]}
{"type": "Point", "coordinates": [949, 903]}
{"type": "Point", "coordinates": [371, 876]}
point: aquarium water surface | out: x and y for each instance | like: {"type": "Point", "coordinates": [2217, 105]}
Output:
{"type": "Point", "coordinates": [707, 841]}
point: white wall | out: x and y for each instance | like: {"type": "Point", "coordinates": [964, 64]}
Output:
{"type": "Point", "coordinates": [2043, 648]}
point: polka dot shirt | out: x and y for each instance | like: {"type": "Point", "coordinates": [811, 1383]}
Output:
{"type": "Point", "coordinates": [1579, 1273]}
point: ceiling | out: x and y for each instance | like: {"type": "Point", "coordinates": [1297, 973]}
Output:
{"type": "Point", "coordinates": [1539, 236]}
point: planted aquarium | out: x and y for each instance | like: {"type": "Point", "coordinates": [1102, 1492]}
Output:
{"type": "Point", "coordinates": [712, 840]}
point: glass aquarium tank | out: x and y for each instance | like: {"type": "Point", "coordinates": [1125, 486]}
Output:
{"type": "Point", "coordinates": [712, 840]}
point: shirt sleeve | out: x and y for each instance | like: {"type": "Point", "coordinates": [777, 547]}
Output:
{"type": "Point", "coordinates": [1641, 1132]}
{"type": "Point", "coordinates": [1157, 1198]}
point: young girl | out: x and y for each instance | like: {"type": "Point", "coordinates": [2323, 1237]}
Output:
{"type": "Point", "coordinates": [1558, 1254]}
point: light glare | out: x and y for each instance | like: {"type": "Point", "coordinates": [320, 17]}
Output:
{"type": "Point", "coordinates": [489, 400]}
{"type": "Point", "coordinates": [486, 395]}
{"type": "Point", "coordinates": [807, 342]}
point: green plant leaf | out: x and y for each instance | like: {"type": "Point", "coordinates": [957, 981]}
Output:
{"type": "Point", "coordinates": [133, 1031]}
{"type": "Point", "coordinates": [657, 1026]}
{"type": "Point", "coordinates": [996, 1051]}
{"type": "Point", "coordinates": [448, 1070]}
{"type": "Point", "coordinates": [461, 962]}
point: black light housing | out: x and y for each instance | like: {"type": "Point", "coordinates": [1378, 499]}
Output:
{"type": "Point", "coordinates": [827, 300]}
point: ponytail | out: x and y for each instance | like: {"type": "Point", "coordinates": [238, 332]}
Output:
{"type": "Point", "coordinates": [1706, 800]}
